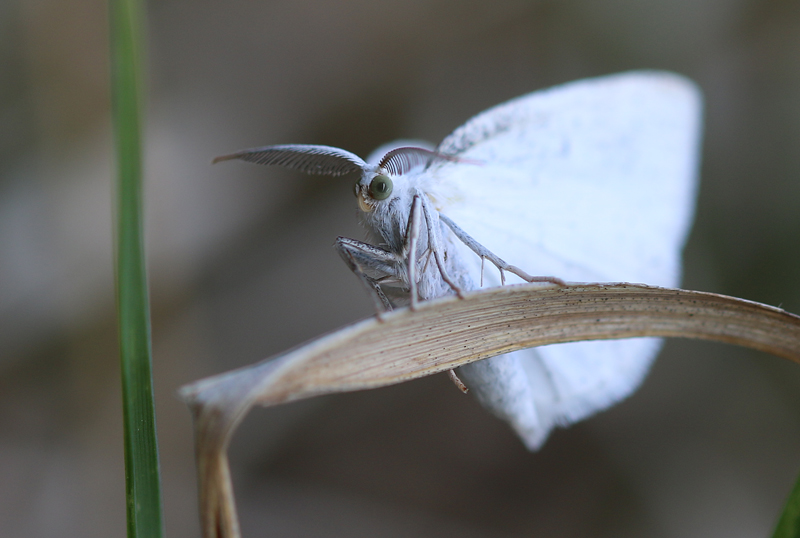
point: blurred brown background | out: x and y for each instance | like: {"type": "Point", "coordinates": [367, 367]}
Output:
{"type": "Point", "coordinates": [242, 267]}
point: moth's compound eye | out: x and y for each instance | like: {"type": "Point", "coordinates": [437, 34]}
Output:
{"type": "Point", "coordinates": [381, 187]}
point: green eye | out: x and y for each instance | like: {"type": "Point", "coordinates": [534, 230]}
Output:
{"type": "Point", "coordinates": [380, 188]}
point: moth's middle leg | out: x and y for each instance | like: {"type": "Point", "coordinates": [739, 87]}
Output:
{"type": "Point", "coordinates": [486, 254]}
{"type": "Point", "coordinates": [434, 243]}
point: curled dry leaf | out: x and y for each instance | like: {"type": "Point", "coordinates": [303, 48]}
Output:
{"type": "Point", "coordinates": [446, 333]}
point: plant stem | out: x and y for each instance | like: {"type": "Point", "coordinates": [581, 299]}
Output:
{"type": "Point", "coordinates": [143, 488]}
{"type": "Point", "coordinates": [789, 523]}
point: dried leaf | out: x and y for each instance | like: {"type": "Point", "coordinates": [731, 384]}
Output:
{"type": "Point", "coordinates": [446, 333]}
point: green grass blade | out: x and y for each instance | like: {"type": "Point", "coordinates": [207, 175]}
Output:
{"type": "Point", "coordinates": [789, 523]}
{"type": "Point", "coordinates": [143, 488]}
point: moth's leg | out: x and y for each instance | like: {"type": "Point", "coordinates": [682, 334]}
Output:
{"type": "Point", "coordinates": [410, 249]}
{"type": "Point", "coordinates": [433, 244]}
{"type": "Point", "coordinates": [457, 382]}
{"type": "Point", "coordinates": [433, 247]}
{"type": "Point", "coordinates": [485, 253]}
{"type": "Point", "coordinates": [428, 254]}
{"type": "Point", "coordinates": [361, 257]}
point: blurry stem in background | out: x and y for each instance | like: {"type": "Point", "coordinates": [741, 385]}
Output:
{"type": "Point", "coordinates": [143, 488]}
{"type": "Point", "coordinates": [789, 523]}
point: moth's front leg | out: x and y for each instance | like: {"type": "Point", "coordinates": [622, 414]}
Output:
{"type": "Point", "coordinates": [412, 233]}
{"type": "Point", "coordinates": [409, 252]}
{"type": "Point", "coordinates": [373, 266]}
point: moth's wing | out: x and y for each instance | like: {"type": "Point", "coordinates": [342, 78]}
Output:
{"type": "Point", "coordinates": [589, 181]}
{"type": "Point", "coordinates": [593, 180]}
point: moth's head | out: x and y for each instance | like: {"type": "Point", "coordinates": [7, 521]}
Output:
{"type": "Point", "coordinates": [390, 171]}
{"type": "Point", "coordinates": [374, 189]}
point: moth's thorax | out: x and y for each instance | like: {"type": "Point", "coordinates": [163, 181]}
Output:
{"type": "Point", "coordinates": [388, 221]}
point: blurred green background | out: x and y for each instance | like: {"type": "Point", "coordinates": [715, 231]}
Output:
{"type": "Point", "coordinates": [242, 267]}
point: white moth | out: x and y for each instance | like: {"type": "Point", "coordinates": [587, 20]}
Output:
{"type": "Point", "coordinates": [590, 181]}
